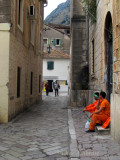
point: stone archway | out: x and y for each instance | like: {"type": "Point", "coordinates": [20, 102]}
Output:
{"type": "Point", "coordinates": [109, 54]}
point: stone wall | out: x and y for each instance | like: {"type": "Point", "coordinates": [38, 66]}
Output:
{"type": "Point", "coordinates": [78, 50]}
{"type": "Point", "coordinates": [115, 97]}
{"type": "Point", "coordinates": [115, 114]}
{"type": "Point", "coordinates": [97, 80]}
{"type": "Point", "coordinates": [95, 32]}
{"type": "Point", "coordinates": [18, 51]}
{"type": "Point", "coordinates": [81, 98]}
{"type": "Point", "coordinates": [5, 11]}
{"type": "Point", "coordinates": [28, 57]}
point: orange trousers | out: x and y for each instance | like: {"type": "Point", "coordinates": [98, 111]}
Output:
{"type": "Point", "coordinates": [96, 118]}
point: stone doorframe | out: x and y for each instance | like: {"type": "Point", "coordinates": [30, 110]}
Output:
{"type": "Point", "coordinates": [108, 42]}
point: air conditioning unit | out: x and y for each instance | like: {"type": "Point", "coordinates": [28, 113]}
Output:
{"type": "Point", "coordinates": [31, 12]}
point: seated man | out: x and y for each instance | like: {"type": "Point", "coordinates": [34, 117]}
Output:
{"type": "Point", "coordinates": [102, 114]}
{"type": "Point", "coordinates": [92, 107]}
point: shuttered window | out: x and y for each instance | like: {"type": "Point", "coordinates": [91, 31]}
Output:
{"type": "Point", "coordinates": [49, 41]}
{"type": "Point", "coordinates": [57, 42]}
{"type": "Point", "coordinates": [20, 13]}
{"type": "Point", "coordinates": [50, 65]}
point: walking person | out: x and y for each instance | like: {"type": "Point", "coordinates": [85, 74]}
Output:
{"type": "Point", "coordinates": [56, 88]}
{"type": "Point", "coordinates": [47, 87]}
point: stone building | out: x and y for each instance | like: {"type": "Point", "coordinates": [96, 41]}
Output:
{"type": "Point", "coordinates": [57, 38]}
{"type": "Point", "coordinates": [104, 57]}
{"type": "Point", "coordinates": [21, 27]}
{"type": "Point", "coordinates": [63, 28]}
{"type": "Point", "coordinates": [79, 67]}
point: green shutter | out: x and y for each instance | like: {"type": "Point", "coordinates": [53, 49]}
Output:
{"type": "Point", "coordinates": [60, 41]}
{"type": "Point", "coordinates": [54, 42]}
{"type": "Point", "coordinates": [50, 65]}
{"type": "Point", "coordinates": [49, 41]}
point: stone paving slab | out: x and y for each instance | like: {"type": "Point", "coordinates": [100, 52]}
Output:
{"type": "Point", "coordinates": [93, 146]}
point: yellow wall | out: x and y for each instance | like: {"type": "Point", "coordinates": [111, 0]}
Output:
{"type": "Point", "coordinates": [4, 70]}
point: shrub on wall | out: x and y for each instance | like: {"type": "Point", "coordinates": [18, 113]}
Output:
{"type": "Point", "coordinates": [92, 7]}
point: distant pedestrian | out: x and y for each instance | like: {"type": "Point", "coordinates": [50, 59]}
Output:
{"type": "Point", "coordinates": [56, 88]}
{"type": "Point", "coordinates": [47, 87]}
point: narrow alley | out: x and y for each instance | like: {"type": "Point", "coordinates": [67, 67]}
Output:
{"type": "Point", "coordinates": [53, 131]}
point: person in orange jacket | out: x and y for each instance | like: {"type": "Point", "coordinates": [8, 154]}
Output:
{"type": "Point", "coordinates": [92, 107]}
{"type": "Point", "coordinates": [102, 114]}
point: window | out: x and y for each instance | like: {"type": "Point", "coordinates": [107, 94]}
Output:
{"type": "Point", "coordinates": [57, 42]}
{"type": "Point", "coordinates": [93, 56]}
{"type": "Point", "coordinates": [68, 31]}
{"type": "Point", "coordinates": [39, 83]}
{"type": "Point", "coordinates": [40, 42]}
{"type": "Point", "coordinates": [45, 40]}
{"type": "Point", "coordinates": [18, 81]}
{"type": "Point", "coordinates": [31, 83]}
{"type": "Point", "coordinates": [32, 32]}
{"type": "Point", "coordinates": [32, 11]}
{"type": "Point", "coordinates": [20, 13]}
{"type": "Point", "coordinates": [50, 65]}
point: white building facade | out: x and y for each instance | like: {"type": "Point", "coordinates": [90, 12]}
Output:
{"type": "Point", "coordinates": [56, 67]}
{"type": "Point", "coordinates": [59, 72]}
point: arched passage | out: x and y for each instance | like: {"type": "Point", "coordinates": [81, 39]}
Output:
{"type": "Point", "coordinates": [109, 54]}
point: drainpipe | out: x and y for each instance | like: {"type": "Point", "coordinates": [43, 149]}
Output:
{"type": "Point", "coordinates": [87, 36]}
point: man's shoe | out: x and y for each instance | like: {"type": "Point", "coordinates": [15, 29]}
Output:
{"type": "Point", "coordinates": [89, 131]}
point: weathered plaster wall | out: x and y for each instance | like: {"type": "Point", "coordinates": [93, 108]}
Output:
{"type": "Point", "coordinates": [4, 70]}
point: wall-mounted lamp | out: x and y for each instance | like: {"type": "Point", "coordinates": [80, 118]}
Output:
{"type": "Point", "coordinates": [45, 29]}
{"type": "Point", "coordinates": [49, 49]}
{"type": "Point", "coordinates": [44, 1]}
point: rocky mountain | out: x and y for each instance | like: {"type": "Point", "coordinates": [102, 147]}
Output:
{"type": "Point", "coordinates": [61, 15]}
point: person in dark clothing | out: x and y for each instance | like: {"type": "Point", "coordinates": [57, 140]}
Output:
{"type": "Point", "coordinates": [47, 87]}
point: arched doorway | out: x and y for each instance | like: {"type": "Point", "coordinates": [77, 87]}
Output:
{"type": "Point", "coordinates": [109, 54]}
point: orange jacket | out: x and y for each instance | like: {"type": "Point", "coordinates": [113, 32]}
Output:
{"type": "Point", "coordinates": [106, 107]}
{"type": "Point", "coordinates": [92, 107]}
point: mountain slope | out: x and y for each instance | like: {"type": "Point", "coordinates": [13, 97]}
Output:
{"type": "Point", "coordinates": [61, 15]}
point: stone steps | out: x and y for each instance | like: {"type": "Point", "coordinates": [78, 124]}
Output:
{"type": "Point", "coordinates": [102, 131]}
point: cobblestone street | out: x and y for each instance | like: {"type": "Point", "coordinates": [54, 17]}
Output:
{"type": "Point", "coordinates": [93, 146]}
{"type": "Point", "coordinates": [39, 133]}
{"type": "Point", "coordinates": [52, 131]}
